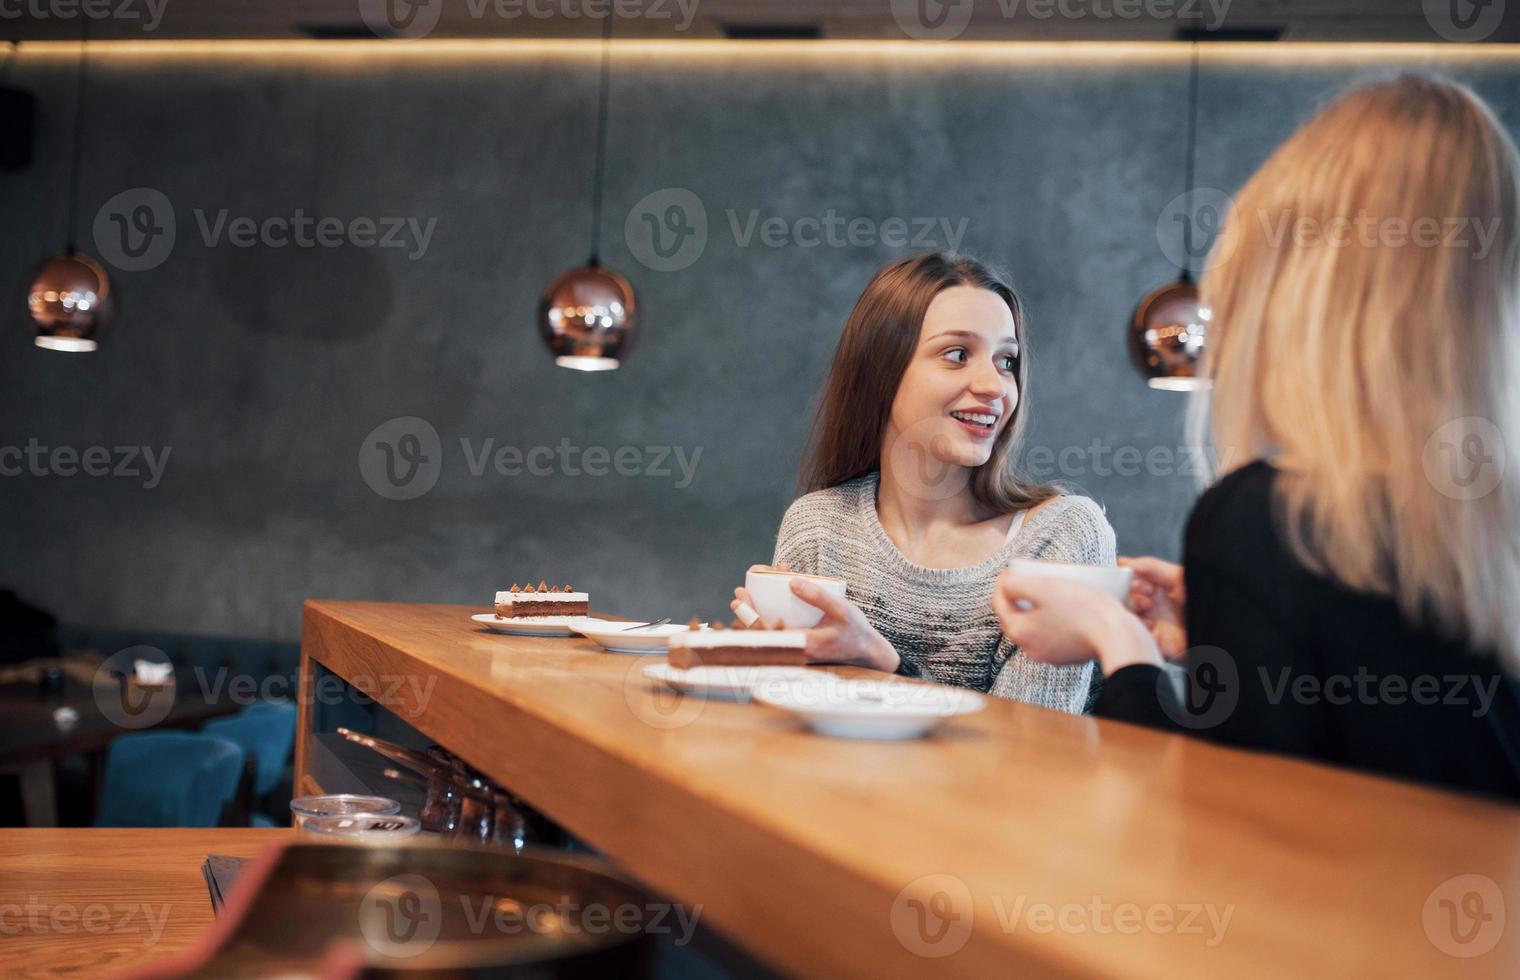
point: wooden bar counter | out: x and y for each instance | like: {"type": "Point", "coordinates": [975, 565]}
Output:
{"type": "Point", "coordinates": [91, 902]}
{"type": "Point", "coordinates": [1015, 842]}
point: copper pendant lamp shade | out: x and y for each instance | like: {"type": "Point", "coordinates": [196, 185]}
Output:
{"type": "Point", "coordinates": [1169, 326]}
{"type": "Point", "coordinates": [70, 302]}
{"type": "Point", "coordinates": [587, 316]}
{"type": "Point", "coordinates": [1166, 336]}
{"type": "Point", "coordinates": [70, 299]}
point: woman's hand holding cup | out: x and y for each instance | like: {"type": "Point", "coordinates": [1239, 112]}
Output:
{"type": "Point", "coordinates": [743, 604]}
{"type": "Point", "coordinates": [843, 634]}
{"type": "Point", "coordinates": [1158, 595]}
{"type": "Point", "coordinates": [1063, 620]}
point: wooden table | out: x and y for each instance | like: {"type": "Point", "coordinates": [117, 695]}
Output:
{"type": "Point", "coordinates": [1017, 842]}
{"type": "Point", "coordinates": [89, 902]}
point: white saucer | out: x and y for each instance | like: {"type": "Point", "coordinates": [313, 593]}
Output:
{"type": "Point", "coordinates": [536, 625]}
{"type": "Point", "coordinates": [850, 708]}
{"type": "Point", "coordinates": [725, 683]}
{"type": "Point", "coordinates": [621, 638]}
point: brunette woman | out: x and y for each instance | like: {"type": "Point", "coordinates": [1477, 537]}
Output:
{"type": "Point", "coordinates": [912, 496]}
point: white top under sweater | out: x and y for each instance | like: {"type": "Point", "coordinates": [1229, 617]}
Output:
{"type": "Point", "coordinates": [940, 620]}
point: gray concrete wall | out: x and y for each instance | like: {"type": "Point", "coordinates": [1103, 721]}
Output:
{"type": "Point", "coordinates": [261, 370]}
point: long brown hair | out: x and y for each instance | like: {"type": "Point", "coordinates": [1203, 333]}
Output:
{"type": "Point", "coordinates": [873, 354]}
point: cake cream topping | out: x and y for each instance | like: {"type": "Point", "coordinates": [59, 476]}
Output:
{"type": "Point", "coordinates": [760, 635]}
{"type": "Point", "coordinates": [544, 592]}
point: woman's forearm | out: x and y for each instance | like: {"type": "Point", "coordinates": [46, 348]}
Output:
{"type": "Point", "coordinates": [1121, 640]}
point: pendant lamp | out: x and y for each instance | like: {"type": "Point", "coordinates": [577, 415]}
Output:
{"type": "Point", "coordinates": [587, 316]}
{"type": "Point", "coordinates": [1169, 326]}
{"type": "Point", "coordinates": [70, 299]}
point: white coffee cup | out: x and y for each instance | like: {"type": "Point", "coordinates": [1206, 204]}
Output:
{"type": "Point", "coordinates": [1112, 579]}
{"type": "Point", "coordinates": [771, 592]}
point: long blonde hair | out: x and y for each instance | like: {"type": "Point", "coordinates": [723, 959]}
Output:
{"type": "Point", "coordinates": [1364, 361]}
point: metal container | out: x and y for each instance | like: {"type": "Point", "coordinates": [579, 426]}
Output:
{"type": "Point", "coordinates": [436, 910]}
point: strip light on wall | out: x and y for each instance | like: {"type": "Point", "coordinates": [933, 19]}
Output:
{"type": "Point", "coordinates": [955, 53]}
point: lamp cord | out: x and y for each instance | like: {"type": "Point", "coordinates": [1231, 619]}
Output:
{"type": "Point", "coordinates": [1192, 137]}
{"type": "Point", "coordinates": [78, 140]}
{"type": "Point", "coordinates": [601, 141]}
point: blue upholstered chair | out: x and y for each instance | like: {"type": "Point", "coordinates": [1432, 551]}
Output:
{"type": "Point", "coordinates": [168, 779]}
{"type": "Point", "coordinates": [266, 731]}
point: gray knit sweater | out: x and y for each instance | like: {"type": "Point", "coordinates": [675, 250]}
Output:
{"type": "Point", "coordinates": [940, 620]}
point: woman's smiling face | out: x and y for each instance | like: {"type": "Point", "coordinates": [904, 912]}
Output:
{"type": "Point", "coordinates": [960, 388]}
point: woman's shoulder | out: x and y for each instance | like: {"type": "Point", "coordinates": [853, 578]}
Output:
{"type": "Point", "coordinates": [1238, 508]}
{"type": "Point", "coordinates": [1074, 526]}
{"type": "Point", "coordinates": [1070, 510]}
{"type": "Point", "coordinates": [832, 503]}
{"type": "Point", "coordinates": [819, 517]}
{"type": "Point", "coordinates": [1247, 484]}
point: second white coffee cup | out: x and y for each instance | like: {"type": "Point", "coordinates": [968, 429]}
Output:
{"type": "Point", "coordinates": [1110, 578]}
{"type": "Point", "coordinates": [771, 593]}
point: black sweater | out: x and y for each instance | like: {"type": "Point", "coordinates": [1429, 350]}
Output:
{"type": "Point", "coordinates": [1282, 659]}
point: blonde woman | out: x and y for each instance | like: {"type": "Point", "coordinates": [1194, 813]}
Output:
{"type": "Point", "coordinates": [1352, 594]}
{"type": "Point", "coordinates": [913, 497]}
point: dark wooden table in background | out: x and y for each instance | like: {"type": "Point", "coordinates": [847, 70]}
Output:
{"type": "Point", "coordinates": [31, 740]}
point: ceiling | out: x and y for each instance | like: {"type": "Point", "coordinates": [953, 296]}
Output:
{"type": "Point", "coordinates": [1140, 20]}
